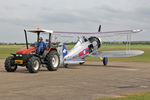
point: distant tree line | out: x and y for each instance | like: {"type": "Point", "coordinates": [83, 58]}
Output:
{"type": "Point", "coordinates": [125, 42]}
{"type": "Point", "coordinates": [2, 43]}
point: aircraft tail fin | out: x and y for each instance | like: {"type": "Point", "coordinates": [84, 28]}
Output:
{"type": "Point", "coordinates": [64, 50]}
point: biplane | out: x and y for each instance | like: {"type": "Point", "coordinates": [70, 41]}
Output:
{"type": "Point", "coordinates": [52, 57]}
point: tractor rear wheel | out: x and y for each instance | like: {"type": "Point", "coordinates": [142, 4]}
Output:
{"type": "Point", "coordinates": [9, 64]}
{"type": "Point", "coordinates": [33, 64]}
{"type": "Point", "coordinates": [53, 60]}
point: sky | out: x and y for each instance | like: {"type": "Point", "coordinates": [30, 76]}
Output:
{"type": "Point", "coordinates": [73, 15]}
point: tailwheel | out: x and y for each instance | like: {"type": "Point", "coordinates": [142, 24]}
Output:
{"type": "Point", "coordinates": [81, 63]}
{"type": "Point", "coordinates": [65, 65]}
{"type": "Point", "coordinates": [105, 61]}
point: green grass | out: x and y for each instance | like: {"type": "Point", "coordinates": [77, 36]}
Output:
{"type": "Point", "coordinates": [132, 96]}
{"type": "Point", "coordinates": [6, 50]}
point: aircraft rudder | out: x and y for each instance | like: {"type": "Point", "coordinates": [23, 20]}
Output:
{"type": "Point", "coordinates": [64, 50]}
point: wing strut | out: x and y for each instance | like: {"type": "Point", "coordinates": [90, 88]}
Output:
{"type": "Point", "coordinates": [128, 44]}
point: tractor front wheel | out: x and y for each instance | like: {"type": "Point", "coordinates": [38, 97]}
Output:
{"type": "Point", "coordinates": [9, 64]}
{"type": "Point", "coordinates": [33, 64]}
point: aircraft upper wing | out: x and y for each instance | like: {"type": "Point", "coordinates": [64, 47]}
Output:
{"type": "Point", "coordinates": [98, 33]}
{"type": "Point", "coordinates": [85, 33]}
{"type": "Point", "coordinates": [122, 53]}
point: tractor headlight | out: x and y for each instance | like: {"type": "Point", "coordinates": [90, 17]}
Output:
{"type": "Point", "coordinates": [18, 55]}
{"type": "Point", "coordinates": [32, 52]}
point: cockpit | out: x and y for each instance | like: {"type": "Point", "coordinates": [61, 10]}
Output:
{"type": "Point", "coordinates": [82, 40]}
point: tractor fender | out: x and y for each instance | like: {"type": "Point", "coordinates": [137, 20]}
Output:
{"type": "Point", "coordinates": [53, 48]}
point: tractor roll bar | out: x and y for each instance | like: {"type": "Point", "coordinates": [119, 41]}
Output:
{"type": "Point", "coordinates": [38, 36]}
{"type": "Point", "coordinates": [49, 42]}
{"type": "Point", "coordinates": [26, 38]}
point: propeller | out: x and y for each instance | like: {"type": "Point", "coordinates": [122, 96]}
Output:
{"type": "Point", "coordinates": [99, 30]}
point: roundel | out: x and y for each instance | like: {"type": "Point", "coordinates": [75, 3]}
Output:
{"type": "Point", "coordinates": [84, 51]}
{"type": "Point", "coordinates": [64, 51]}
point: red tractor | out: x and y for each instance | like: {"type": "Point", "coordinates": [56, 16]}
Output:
{"type": "Point", "coordinates": [31, 58]}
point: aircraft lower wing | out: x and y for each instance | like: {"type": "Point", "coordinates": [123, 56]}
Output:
{"type": "Point", "coordinates": [122, 53]}
{"type": "Point", "coordinates": [74, 61]}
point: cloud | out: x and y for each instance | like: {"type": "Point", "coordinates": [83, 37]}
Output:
{"type": "Point", "coordinates": [73, 15]}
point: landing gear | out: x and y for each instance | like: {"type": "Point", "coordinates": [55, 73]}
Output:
{"type": "Point", "coordinates": [65, 65]}
{"type": "Point", "coordinates": [105, 61]}
{"type": "Point", "coordinates": [81, 63]}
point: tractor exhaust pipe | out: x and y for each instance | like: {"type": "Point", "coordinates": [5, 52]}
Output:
{"type": "Point", "coordinates": [26, 38]}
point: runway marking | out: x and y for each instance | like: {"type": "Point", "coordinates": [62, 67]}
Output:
{"type": "Point", "coordinates": [129, 69]}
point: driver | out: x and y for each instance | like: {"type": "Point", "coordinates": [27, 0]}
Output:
{"type": "Point", "coordinates": [42, 45]}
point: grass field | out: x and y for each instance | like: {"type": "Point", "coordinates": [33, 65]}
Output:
{"type": "Point", "coordinates": [132, 96]}
{"type": "Point", "coordinates": [6, 50]}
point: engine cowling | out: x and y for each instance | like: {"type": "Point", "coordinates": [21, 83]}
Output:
{"type": "Point", "coordinates": [95, 43]}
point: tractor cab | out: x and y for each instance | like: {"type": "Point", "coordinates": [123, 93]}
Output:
{"type": "Point", "coordinates": [31, 57]}
{"type": "Point", "coordinates": [33, 48]}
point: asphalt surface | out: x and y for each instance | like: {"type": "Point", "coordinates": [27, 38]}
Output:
{"type": "Point", "coordinates": [79, 82]}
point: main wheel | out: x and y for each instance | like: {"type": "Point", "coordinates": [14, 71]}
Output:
{"type": "Point", "coordinates": [105, 61]}
{"type": "Point", "coordinates": [9, 64]}
{"type": "Point", "coordinates": [53, 60]}
{"type": "Point", "coordinates": [33, 64]}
